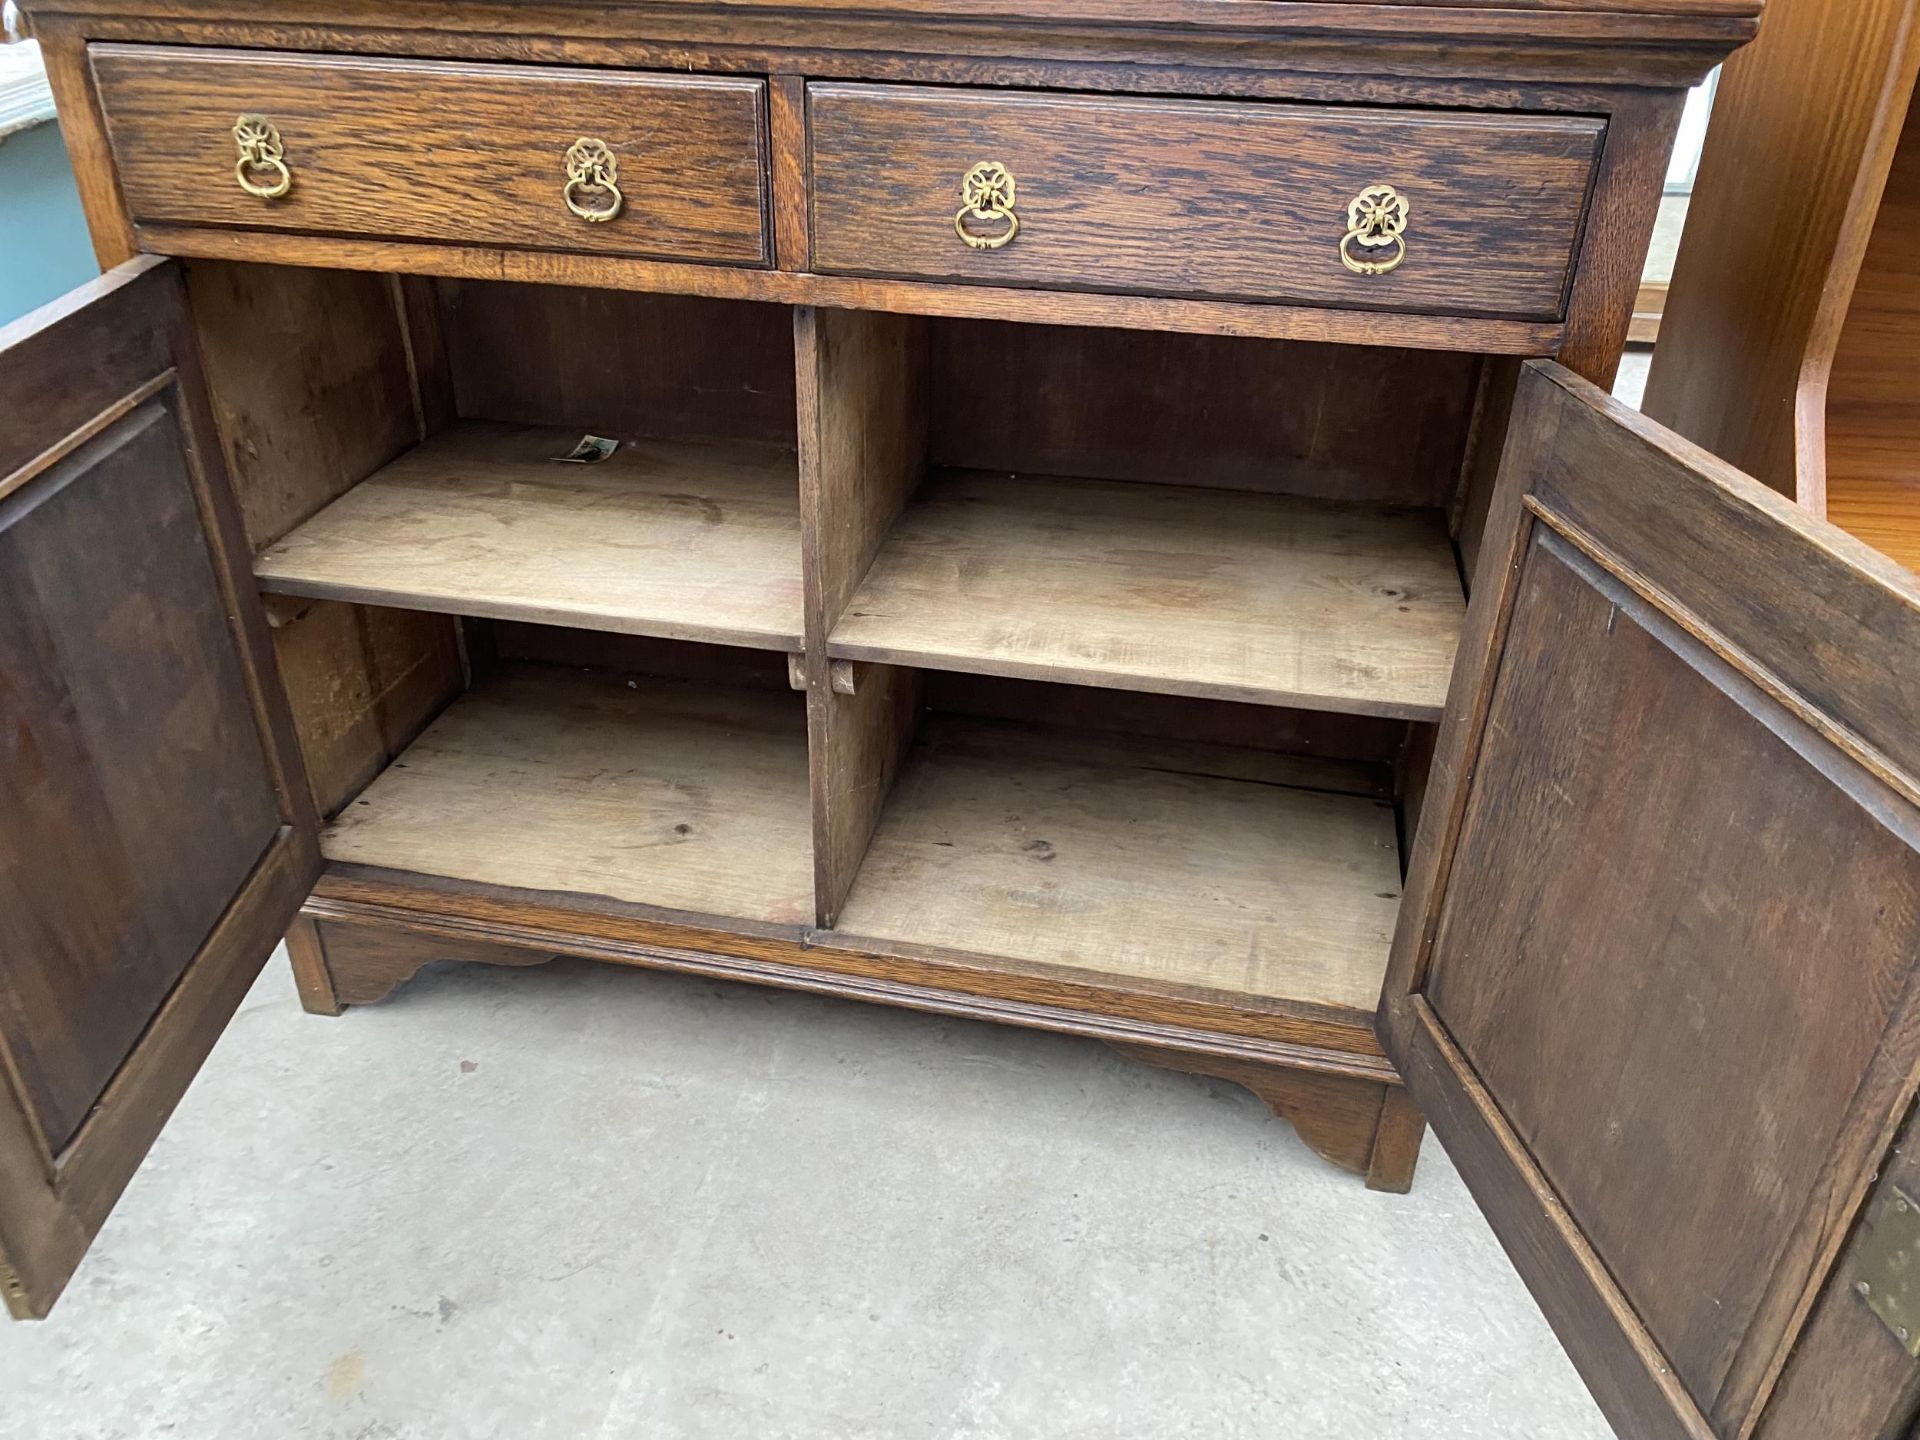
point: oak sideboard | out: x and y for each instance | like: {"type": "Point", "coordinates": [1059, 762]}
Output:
{"type": "Point", "coordinates": [1089, 514]}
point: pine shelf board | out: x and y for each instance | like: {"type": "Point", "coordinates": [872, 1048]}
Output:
{"type": "Point", "coordinates": [1211, 868]}
{"type": "Point", "coordinates": [1271, 599]}
{"type": "Point", "coordinates": [684, 541]}
{"type": "Point", "coordinates": [687, 797]}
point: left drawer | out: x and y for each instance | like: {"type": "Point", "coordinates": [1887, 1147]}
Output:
{"type": "Point", "coordinates": [614, 162]}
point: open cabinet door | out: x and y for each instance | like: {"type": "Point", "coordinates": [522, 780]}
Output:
{"type": "Point", "coordinates": [153, 845]}
{"type": "Point", "coordinates": [1654, 983]}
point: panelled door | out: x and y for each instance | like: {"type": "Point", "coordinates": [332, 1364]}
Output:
{"type": "Point", "coordinates": [154, 842]}
{"type": "Point", "coordinates": [1655, 977]}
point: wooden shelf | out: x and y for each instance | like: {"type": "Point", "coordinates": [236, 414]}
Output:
{"type": "Point", "coordinates": [689, 798]}
{"type": "Point", "coordinates": [1265, 598]}
{"type": "Point", "coordinates": [690, 542]}
{"type": "Point", "coordinates": [1208, 868]}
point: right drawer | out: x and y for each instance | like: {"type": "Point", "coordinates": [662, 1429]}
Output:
{"type": "Point", "coordinates": [1447, 212]}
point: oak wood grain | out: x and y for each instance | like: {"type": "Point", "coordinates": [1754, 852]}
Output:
{"type": "Point", "coordinates": [1600, 718]}
{"type": "Point", "coordinates": [307, 958]}
{"type": "Point", "coordinates": [681, 369]}
{"type": "Point", "coordinates": [1396, 1143]}
{"type": "Point", "coordinates": [1321, 733]}
{"type": "Point", "coordinates": [619, 362]}
{"type": "Point", "coordinates": [1187, 197]}
{"type": "Point", "coordinates": [1618, 229]}
{"type": "Point", "coordinates": [1670, 41]}
{"type": "Point", "coordinates": [362, 681]}
{"type": "Point", "coordinates": [125, 853]}
{"type": "Point", "coordinates": [1326, 1040]}
{"type": "Point", "coordinates": [1343, 1121]}
{"type": "Point", "coordinates": [845, 292]}
{"type": "Point", "coordinates": [63, 49]}
{"type": "Point", "coordinates": [1241, 414]}
{"type": "Point", "coordinates": [385, 147]}
{"type": "Point", "coordinates": [1847, 1375]}
{"type": "Point", "coordinates": [363, 964]}
{"type": "Point", "coordinates": [697, 542]}
{"type": "Point", "coordinates": [713, 665]}
{"type": "Point", "coordinates": [859, 742]}
{"type": "Point", "coordinates": [863, 390]}
{"type": "Point", "coordinates": [159, 837]}
{"type": "Point", "coordinates": [1615, 985]}
{"type": "Point", "coordinates": [1260, 598]}
{"type": "Point", "coordinates": [301, 423]}
{"type": "Point", "coordinates": [787, 138]}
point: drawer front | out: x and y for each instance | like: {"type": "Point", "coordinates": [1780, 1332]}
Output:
{"type": "Point", "coordinates": [418, 150]}
{"type": "Point", "coordinates": [1455, 213]}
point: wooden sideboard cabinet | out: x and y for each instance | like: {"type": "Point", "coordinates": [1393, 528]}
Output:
{"type": "Point", "coordinates": [1091, 515]}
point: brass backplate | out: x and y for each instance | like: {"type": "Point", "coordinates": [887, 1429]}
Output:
{"type": "Point", "coordinates": [1887, 1273]}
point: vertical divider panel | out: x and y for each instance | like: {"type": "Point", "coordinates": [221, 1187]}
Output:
{"type": "Point", "coordinates": [863, 395]}
{"type": "Point", "coordinates": [300, 426]}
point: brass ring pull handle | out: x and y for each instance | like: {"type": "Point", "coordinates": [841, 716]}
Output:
{"type": "Point", "coordinates": [592, 170]}
{"type": "Point", "coordinates": [986, 196]}
{"type": "Point", "coordinates": [1376, 220]}
{"type": "Point", "coordinates": [260, 151]}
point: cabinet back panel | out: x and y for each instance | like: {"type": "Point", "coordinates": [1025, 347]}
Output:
{"type": "Point", "coordinates": [730, 665]}
{"type": "Point", "coordinates": [1320, 733]}
{"type": "Point", "coordinates": [363, 681]}
{"type": "Point", "coordinates": [1338, 422]}
{"type": "Point", "coordinates": [319, 378]}
{"type": "Point", "coordinates": [615, 362]}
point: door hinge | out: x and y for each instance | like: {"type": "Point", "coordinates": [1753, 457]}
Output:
{"type": "Point", "coordinates": [1886, 1271]}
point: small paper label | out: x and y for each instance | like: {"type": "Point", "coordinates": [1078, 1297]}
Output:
{"type": "Point", "coordinates": [591, 450]}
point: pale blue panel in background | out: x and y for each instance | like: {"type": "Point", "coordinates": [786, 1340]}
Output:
{"type": "Point", "coordinates": [44, 249]}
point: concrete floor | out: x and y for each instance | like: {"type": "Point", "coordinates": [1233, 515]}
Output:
{"type": "Point", "coordinates": [581, 1201]}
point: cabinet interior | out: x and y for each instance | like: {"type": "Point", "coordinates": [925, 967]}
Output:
{"type": "Point", "coordinates": [1054, 649]}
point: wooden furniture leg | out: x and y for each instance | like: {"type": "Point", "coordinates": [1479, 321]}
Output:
{"type": "Point", "coordinates": [1370, 1127]}
{"type": "Point", "coordinates": [1396, 1143]}
{"type": "Point", "coordinates": [337, 964]}
{"type": "Point", "coordinates": [310, 973]}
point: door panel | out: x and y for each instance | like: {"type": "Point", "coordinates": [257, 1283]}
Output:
{"type": "Point", "coordinates": [1654, 982]}
{"type": "Point", "coordinates": [113, 623]}
{"type": "Point", "coordinates": [153, 848]}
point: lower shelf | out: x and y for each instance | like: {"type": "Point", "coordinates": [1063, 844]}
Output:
{"type": "Point", "coordinates": [673, 795]}
{"type": "Point", "coordinates": [1214, 869]}
{"type": "Point", "coordinates": [1253, 884]}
